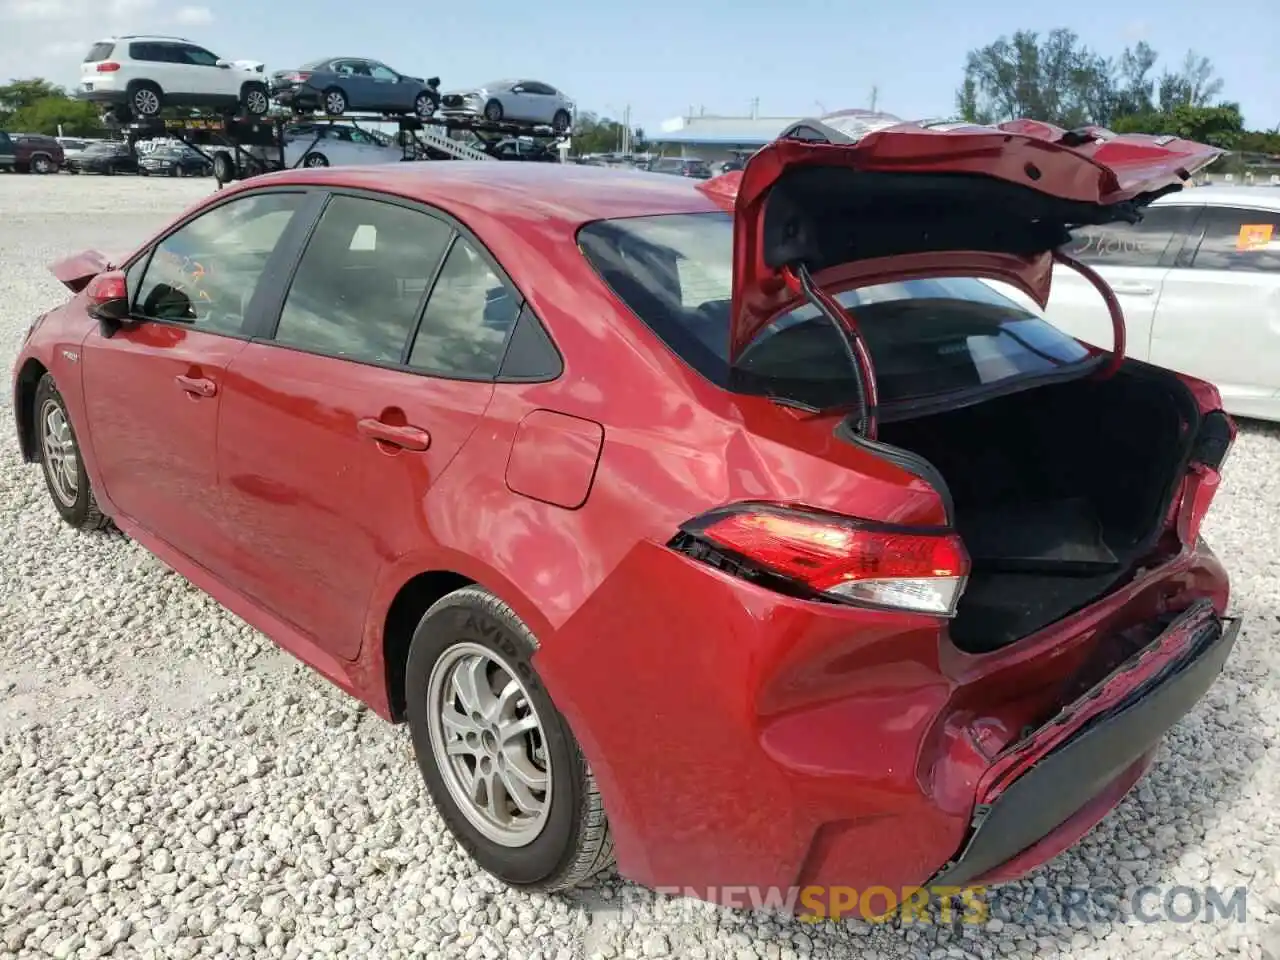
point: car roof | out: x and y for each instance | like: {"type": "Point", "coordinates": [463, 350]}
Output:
{"type": "Point", "coordinates": [568, 194]}
{"type": "Point", "coordinates": [1260, 196]}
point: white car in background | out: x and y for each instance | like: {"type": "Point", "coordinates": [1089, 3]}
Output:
{"type": "Point", "coordinates": [1199, 282]}
{"type": "Point", "coordinates": [336, 145]}
{"type": "Point", "coordinates": [144, 74]}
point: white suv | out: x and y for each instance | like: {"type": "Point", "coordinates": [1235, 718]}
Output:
{"type": "Point", "coordinates": [145, 73]}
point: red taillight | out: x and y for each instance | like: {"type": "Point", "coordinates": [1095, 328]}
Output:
{"type": "Point", "coordinates": [107, 66]}
{"type": "Point", "coordinates": [106, 287]}
{"type": "Point", "coordinates": [843, 558]}
{"type": "Point", "coordinates": [298, 77]}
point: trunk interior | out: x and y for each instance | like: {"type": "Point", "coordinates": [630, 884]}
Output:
{"type": "Point", "coordinates": [1058, 492]}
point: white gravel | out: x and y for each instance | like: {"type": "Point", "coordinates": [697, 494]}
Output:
{"type": "Point", "coordinates": [173, 786]}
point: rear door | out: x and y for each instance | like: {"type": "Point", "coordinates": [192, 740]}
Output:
{"type": "Point", "coordinates": [153, 391]}
{"type": "Point", "coordinates": [337, 423]}
{"type": "Point", "coordinates": [1219, 316]}
{"type": "Point", "coordinates": [1134, 260]}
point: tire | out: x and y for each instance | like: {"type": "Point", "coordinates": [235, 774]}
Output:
{"type": "Point", "coordinates": [493, 111]}
{"type": "Point", "coordinates": [224, 168]}
{"type": "Point", "coordinates": [315, 160]}
{"type": "Point", "coordinates": [561, 122]}
{"type": "Point", "coordinates": [334, 101]}
{"type": "Point", "coordinates": [109, 170]}
{"type": "Point", "coordinates": [254, 99]}
{"type": "Point", "coordinates": [66, 480]}
{"type": "Point", "coordinates": [176, 171]}
{"type": "Point", "coordinates": [569, 841]}
{"type": "Point", "coordinates": [42, 164]}
{"type": "Point", "coordinates": [145, 99]}
{"type": "Point", "coordinates": [425, 105]}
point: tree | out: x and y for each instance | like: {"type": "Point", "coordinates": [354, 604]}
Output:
{"type": "Point", "coordinates": [38, 106]}
{"type": "Point", "coordinates": [1192, 86]}
{"type": "Point", "coordinates": [595, 134]}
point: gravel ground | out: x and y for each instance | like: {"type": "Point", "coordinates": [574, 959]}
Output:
{"type": "Point", "coordinates": [173, 786]}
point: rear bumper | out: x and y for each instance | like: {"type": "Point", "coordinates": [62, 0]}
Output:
{"type": "Point", "coordinates": [1109, 746]}
{"type": "Point", "coordinates": [100, 95]}
{"type": "Point", "coordinates": [297, 95]}
{"type": "Point", "coordinates": [741, 738]}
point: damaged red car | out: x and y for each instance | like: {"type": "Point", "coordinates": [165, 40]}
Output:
{"type": "Point", "coordinates": [741, 532]}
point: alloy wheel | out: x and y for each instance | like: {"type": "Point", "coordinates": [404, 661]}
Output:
{"type": "Point", "coordinates": [335, 103]}
{"type": "Point", "coordinates": [256, 102]}
{"type": "Point", "coordinates": [145, 102]}
{"type": "Point", "coordinates": [489, 744]}
{"type": "Point", "coordinates": [61, 459]}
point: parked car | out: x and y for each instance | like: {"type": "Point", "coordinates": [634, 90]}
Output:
{"type": "Point", "coordinates": [108, 157]}
{"type": "Point", "coordinates": [36, 153]}
{"type": "Point", "coordinates": [8, 153]}
{"type": "Point", "coordinates": [179, 161]}
{"type": "Point", "coordinates": [145, 74]}
{"type": "Point", "coordinates": [681, 167]}
{"type": "Point", "coordinates": [587, 477]}
{"type": "Point", "coordinates": [1199, 280]}
{"type": "Point", "coordinates": [524, 149]}
{"type": "Point", "coordinates": [72, 147]}
{"type": "Point", "coordinates": [336, 145]}
{"type": "Point", "coordinates": [514, 101]}
{"type": "Point", "coordinates": [341, 85]}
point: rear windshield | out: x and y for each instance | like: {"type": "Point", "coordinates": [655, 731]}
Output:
{"type": "Point", "coordinates": [927, 338]}
{"type": "Point", "coordinates": [99, 51]}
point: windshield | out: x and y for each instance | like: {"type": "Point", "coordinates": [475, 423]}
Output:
{"type": "Point", "coordinates": [927, 338]}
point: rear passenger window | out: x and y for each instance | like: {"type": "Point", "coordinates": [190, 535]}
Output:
{"type": "Point", "coordinates": [1240, 240]}
{"type": "Point", "coordinates": [468, 316]}
{"type": "Point", "coordinates": [360, 284]}
{"type": "Point", "coordinates": [1143, 244]}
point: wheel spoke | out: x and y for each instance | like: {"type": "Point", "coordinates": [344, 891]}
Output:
{"type": "Point", "coordinates": [490, 781]}
{"type": "Point", "coordinates": [458, 723]}
{"type": "Point", "coordinates": [471, 681]}
{"type": "Point", "coordinates": [520, 794]}
{"type": "Point", "coordinates": [521, 769]}
{"type": "Point", "coordinates": [517, 728]}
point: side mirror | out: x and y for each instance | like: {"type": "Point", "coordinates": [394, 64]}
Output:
{"type": "Point", "coordinates": [433, 82]}
{"type": "Point", "coordinates": [517, 89]}
{"type": "Point", "coordinates": [108, 296]}
{"type": "Point", "coordinates": [223, 64]}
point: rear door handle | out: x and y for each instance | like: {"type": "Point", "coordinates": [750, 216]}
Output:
{"type": "Point", "coordinates": [197, 386]}
{"type": "Point", "coordinates": [1133, 289]}
{"type": "Point", "coordinates": [407, 437]}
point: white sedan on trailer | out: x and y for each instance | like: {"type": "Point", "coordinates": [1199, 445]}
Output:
{"type": "Point", "coordinates": [1199, 281]}
{"type": "Point", "coordinates": [336, 145]}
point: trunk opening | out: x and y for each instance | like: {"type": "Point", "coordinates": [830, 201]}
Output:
{"type": "Point", "coordinates": [1059, 492]}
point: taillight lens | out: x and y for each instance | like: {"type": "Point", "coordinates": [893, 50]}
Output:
{"type": "Point", "coordinates": [841, 558]}
{"type": "Point", "coordinates": [298, 77]}
{"type": "Point", "coordinates": [108, 66]}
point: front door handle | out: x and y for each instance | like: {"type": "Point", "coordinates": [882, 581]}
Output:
{"type": "Point", "coordinates": [406, 437]}
{"type": "Point", "coordinates": [197, 386]}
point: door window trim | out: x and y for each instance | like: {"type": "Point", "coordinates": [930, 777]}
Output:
{"type": "Point", "coordinates": [272, 310]}
{"type": "Point", "coordinates": [253, 310]}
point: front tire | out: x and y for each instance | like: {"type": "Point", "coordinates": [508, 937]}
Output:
{"type": "Point", "coordinates": [224, 168]}
{"type": "Point", "coordinates": [43, 164]}
{"type": "Point", "coordinates": [500, 762]}
{"type": "Point", "coordinates": [425, 105]}
{"type": "Point", "coordinates": [493, 111]}
{"type": "Point", "coordinates": [561, 122]}
{"type": "Point", "coordinates": [315, 160]}
{"type": "Point", "coordinates": [60, 460]}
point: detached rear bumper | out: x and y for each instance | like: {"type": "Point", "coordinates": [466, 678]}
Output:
{"type": "Point", "coordinates": [1110, 733]}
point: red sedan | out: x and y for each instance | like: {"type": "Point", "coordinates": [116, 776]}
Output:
{"type": "Point", "coordinates": [741, 531]}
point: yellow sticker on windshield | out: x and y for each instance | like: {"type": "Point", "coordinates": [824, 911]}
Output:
{"type": "Point", "coordinates": [1254, 236]}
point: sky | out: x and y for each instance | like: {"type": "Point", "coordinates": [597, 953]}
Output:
{"type": "Point", "coordinates": [662, 57]}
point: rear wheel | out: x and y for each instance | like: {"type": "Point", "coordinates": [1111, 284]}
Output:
{"type": "Point", "coordinates": [500, 762]}
{"type": "Point", "coordinates": [315, 160]}
{"type": "Point", "coordinates": [42, 163]}
{"type": "Point", "coordinates": [335, 102]}
{"type": "Point", "coordinates": [60, 460]}
{"type": "Point", "coordinates": [145, 99]}
{"type": "Point", "coordinates": [224, 168]}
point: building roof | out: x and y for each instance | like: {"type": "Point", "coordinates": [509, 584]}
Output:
{"type": "Point", "coordinates": [729, 131]}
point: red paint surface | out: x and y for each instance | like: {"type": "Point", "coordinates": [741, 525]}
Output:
{"type": "Point", "coordinates": [739, 736]}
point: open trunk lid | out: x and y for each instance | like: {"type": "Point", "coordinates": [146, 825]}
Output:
{"type": "Point", "coordinates": [866, 198]}
{"type": "Point", "coordinates": [75, 272]}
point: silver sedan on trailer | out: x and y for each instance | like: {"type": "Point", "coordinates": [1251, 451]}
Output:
{"type": "Point", "coordinates": [513, 101]}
